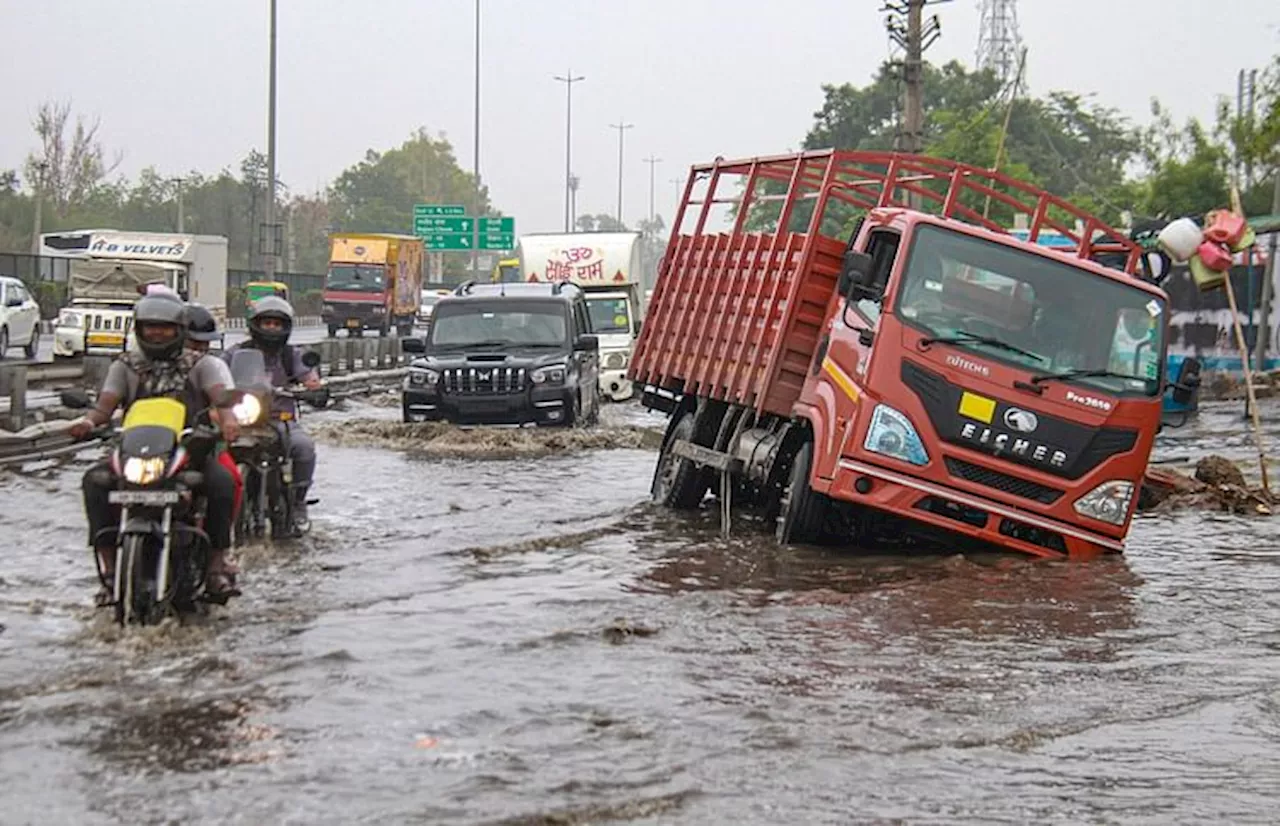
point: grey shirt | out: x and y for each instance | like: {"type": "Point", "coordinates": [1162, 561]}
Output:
{"type": "Point", "coordinates": [209, 372]}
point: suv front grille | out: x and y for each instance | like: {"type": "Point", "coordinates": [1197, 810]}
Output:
{"type": "Point", "coordinates": [1024, 488]}
{"type": "Point", "coordinates": [491, 381]}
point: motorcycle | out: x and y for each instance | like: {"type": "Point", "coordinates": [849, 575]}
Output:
{"type": "Point", "coordinates": [161, 547]}
{"type": "Point", "coordinates": [262, 452]}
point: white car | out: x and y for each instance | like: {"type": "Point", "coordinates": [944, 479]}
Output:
{"type": "Point", "coordinates": [19, 318]}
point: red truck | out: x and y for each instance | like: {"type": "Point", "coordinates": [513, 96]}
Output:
{"type": "Point", "coordinates": [930, 379]}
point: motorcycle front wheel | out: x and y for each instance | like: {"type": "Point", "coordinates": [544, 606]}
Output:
{"type": "Point", "coordinates": [136, 601]}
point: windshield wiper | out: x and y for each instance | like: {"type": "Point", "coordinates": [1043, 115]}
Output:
{"type": "Point", "coordinates": [1084, 374]}
{"type": "Point", "coordinates": [964, 337]}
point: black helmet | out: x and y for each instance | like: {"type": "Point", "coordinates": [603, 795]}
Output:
{"type": "Point", "coordinates": [160, 309]}
{"type": "Point", "coordinates": [201, 325]}
{"type": "Point", "coordinates": [271, 306]}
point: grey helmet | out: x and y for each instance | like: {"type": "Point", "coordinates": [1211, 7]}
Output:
{"type": "Point", "coordinates": [201, 325]}
{"type": "Point", "coordinates": [271, 306]}
{"type": "Point", "coordinates": [160, 309]}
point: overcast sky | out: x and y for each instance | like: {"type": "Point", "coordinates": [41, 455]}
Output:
{"type": "Point", "coordinates": [182, 84]}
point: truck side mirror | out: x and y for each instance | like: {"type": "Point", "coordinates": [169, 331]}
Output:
{"type": "Point", "coordinates": [856, 276]}
{"type": "Point", "coordinates": [637, 326]}
{"type": "Point", "coordinates": [1184, 389]}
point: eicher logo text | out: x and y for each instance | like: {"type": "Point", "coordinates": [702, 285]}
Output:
{"type": "Point", "coordinates": [968, 364]}
{"type": "Point", "coordinates": [1089, 401]}
{"type": "Point", "coordinates": [1004, 443]}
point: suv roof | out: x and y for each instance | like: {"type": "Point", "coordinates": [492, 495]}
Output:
{"type": "Point", "coordinates": [525, 290]}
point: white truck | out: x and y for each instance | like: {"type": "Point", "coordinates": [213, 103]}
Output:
{"type": "Point", "coordinates": [106, 269]}
{"type": "Point", "coordinates": [606, 265]}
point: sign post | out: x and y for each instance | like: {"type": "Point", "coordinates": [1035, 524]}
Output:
{"type": "Point", "coordinates": [448, 228]}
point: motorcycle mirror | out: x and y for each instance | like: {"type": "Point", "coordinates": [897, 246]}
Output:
{"type": "Point", "coordinates": [75, 398]}
{"type": "Point", "coordinates": [311, 359]}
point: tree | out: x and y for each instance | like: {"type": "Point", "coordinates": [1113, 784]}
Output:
{"type": "Point", "coordinates": [73, 165]}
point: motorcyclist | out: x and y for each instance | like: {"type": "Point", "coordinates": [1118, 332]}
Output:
{"type": "Point", "coordinates": [270, 323]}
{"type": "Point", "coordinates": [202, 330]}
{"type": "Point", "coordinates": [163, 367]}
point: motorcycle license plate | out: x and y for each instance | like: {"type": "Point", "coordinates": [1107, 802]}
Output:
{"type": "Point", "coordinates": [142, 497]}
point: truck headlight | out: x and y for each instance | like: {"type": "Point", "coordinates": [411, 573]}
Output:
{"type": "Point", "coordinates": [69, 318]}
{"type": "Point", "coordinates": [1108, 502]}
{"type": "Point", "coordinates": [326, 308]}
{"type": "Point", "coordinates": [892, 434]}
{"type": "Point", "coordinates": [247, 411]}
{"type": "Point", "coordinates": [554, 374]}
{"type": "Point", "coordinates": [379, 310]}
{"type": "Point", "coordinates": [425, 377]}
{"type": "Point", "coordinates": [139, 471]}
{"type": "Point", "coordinates": [615, 361]}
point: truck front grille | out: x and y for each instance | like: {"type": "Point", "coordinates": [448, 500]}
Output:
{"type": "Point", "coordinates": [1024, 488]}
{"type": "Point", "coordinates": [488, 381]}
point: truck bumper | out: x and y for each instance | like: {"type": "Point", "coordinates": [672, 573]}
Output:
{"type": "Point", "coordinates": [68, 341]}
{"type": "Point", "coordinates": [615, 385]}
{"type": "Point", "coordinates": [951, 510]}
{"type": "Point", "coordinates": [548, 408]}
{"type": "Point", "coordinates": [354, 317]}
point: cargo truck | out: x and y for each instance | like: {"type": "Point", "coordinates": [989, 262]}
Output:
{"type": "Point", "coordinates": [606, 265]}
{"type": "Point", "coordinates": [374, 283]}
{"type": "Point", "coordinates": [860, 354]}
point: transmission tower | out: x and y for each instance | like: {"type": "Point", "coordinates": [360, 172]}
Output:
{"type": "Point", "coordinates": [998, 39]}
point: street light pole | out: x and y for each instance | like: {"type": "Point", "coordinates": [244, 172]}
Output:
{"type": "Point", "coordinates": [269, 261]}
{"type": "Point", "coordinates": [475, 233]}
{"type": "Point", "coordinates": [653, 162]}
{"type": "Point", "coordinates": [622, 127]}
{"type": "Point", "coordinates": [181, 212]}
{"type": "Point", "coordinates": [568, 80]}
{"type": "Point", "coordinates": [37, 221]}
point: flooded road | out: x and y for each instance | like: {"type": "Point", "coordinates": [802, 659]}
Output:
{"type": "Point", "coordinates": [511, 641]}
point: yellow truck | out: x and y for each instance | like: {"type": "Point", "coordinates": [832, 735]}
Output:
{"type": "Point", "coordinates": [374, 283]}
{"type": "Point", "coordinates": [507, 272]}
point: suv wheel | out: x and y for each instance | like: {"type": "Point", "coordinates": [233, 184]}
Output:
{"type": "Point", "coordinates": [4, 341]}
{"type": "Point", "coordinates": [33, 347]}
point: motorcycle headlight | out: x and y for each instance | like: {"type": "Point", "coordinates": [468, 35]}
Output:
{"type": "Point", "coordinates": [422, 377]}
{"type": "Point", "coordinates": [247, 411]}
{"type": "Point", "coordinates": [554, 374]}
{"type": "Point", "coordinates": [1108, 502]}
{"type": "Point", "coordinates": [892, 434]}
{"type": "Point", "coordinates": [139, 471]}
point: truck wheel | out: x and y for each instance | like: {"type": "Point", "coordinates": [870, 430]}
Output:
{"type": "Point", "coordinates": [678, 483]}
{"type": "Point", "coordinates": [804, 510]}
{"type": "Point", "coordinates": [384, 330]}
{"type": "Point", "coordinates": [333, 331]}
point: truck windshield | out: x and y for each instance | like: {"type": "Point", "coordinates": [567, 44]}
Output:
{"type": "Point", "coordinates": [1046, 316]}
{"type": "Point", "coordinates": [498, 323]}
{"type": "Point", "coordinates": [609, 315]}
{"type": "Point", "coordinates": [355, 278]}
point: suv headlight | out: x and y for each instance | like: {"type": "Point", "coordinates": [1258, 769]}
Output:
{"type": "Point", "coordinates": [1108, 502]}
{"type": "Point", "coordinates": [892, 434]}
{"type": "Point", "coordinates": [554, 374]}
{"type": "Point", "coordinates": [424, 376]}
{"type": "Point", "coordinates": [139, 471]}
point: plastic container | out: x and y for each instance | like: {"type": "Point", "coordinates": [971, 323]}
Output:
{"type": "Point", "coordinates": [1180, 239]}
{"type": "Point", "coordinates": [1223, 227]}
{"type": "Point", "coordinates": [1247, 240]}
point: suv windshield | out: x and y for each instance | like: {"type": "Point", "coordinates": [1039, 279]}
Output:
{"type": "Point", "coordinates": [609, 315]}
{"type": "Point", "coordinates": [355, 278]}
{"type": "Point", "coordinates": [462, 324]}
{"type": "Point", "coordinates": [1040, 314]}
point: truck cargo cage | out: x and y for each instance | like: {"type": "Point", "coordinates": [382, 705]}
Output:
{"type": "Point", "coordinates": [737, 315]}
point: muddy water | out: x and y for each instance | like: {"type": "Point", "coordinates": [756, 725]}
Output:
{"type": "Point", "coordinates": [519, 641]}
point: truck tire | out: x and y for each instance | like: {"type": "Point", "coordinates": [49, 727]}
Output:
{"type": "Point", "coordinates": [384, 330]}
{"type": "Point", "coordinates": [678, 483]}
{"type": "Point", "coordinates": [333, 331]}
{"type": "Point", "coordinates": [803, 510]}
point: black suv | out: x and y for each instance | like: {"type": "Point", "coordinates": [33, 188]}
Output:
{"type": "Point", "coordinates": [513, 354]}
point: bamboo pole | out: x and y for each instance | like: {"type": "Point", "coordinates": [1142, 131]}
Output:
{"type": "Point", "coordinates": [1244, 359]}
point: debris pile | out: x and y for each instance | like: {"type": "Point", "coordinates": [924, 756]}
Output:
{"type": "Point", "coordinates": [1217, 485]}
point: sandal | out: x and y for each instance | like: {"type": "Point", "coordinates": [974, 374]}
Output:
{"type": "Point", "coordinates": [105, 598]}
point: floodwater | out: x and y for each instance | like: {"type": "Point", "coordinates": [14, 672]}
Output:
{"type": "Point", "coordinates": [526, 641]}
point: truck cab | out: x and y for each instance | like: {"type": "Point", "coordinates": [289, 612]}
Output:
{"type": "Point", "coordinates": [506, 354]}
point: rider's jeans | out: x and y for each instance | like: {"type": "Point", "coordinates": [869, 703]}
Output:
{"type": "Point", "coordinates": [219, 491]}
{"type": "Point", "coordinates": [303, 453]}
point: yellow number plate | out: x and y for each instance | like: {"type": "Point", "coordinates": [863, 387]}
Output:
{"type": "Point", "coordinates": [105, 340]}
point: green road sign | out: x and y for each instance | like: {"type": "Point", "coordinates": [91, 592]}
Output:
{"type": "Point", "coordinates": [492, 225]}
{"type": "Point", "coordinates": [498, 241]}
{"type": "Point", "coordinates": [429, 224]}
{"type": "Point", "coordinates": [423, 210]}
{"type": "Point", "coordinates": [447, 241]}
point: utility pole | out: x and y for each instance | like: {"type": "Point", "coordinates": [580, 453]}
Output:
{"type": "Point", "coordinates": [568, 80]}
{"type": "Point", "coordinates": [181, 212]}
{"type": "Point", "coordinates": [914, 36]}
{"type": "Point", "coordinates": [573, 203]}
{"type": "Point", "coordinates": [37, 220]}
{"type": "Point", "coordinates": [622, 127]}
{"type": "Point", "coordinates": [653, 162]}
{"type": "Point", "coordinates": [269, 260]}
{"type": "Point", "coordinates": [1264, 322]}
{"type": "Point", "coordinates": [475, 157]}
